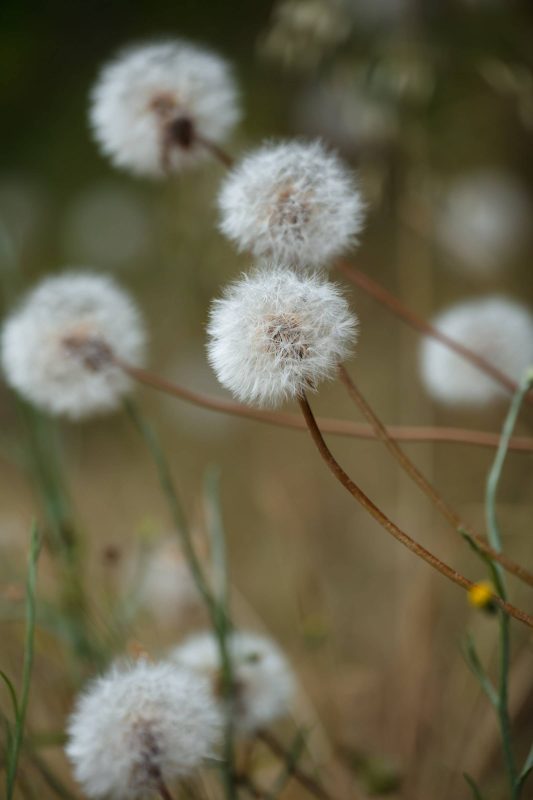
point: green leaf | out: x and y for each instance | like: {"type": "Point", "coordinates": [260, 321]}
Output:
{"type": "Point", "coordinates": [12, 692]}
{"type": "Point", "coordinates": [474, 662]}
{"type": "Point", "coordinates": [476, 793]}
{"type": "Point", "coordinates": [526, 771]}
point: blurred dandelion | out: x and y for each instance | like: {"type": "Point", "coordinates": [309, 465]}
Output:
{"type": "Point", "coordinates": [57, 346]}
{"type": "Point", "coordinates": [139, 727]}
{"type": "Point", "coordinates": [498, 329]}
{"type": "Point", "coordinates": [483, 221]}
{"type": "Point", "coordinates": [161, 107]}
{"type": "Point", "coordinates": [263, 680]}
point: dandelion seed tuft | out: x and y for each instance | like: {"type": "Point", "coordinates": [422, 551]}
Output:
{"type": "Point", "coordinates": [139, 725]}
{"type": "Point", "coordinates": [264, 684]}
{"type": "Point", "coordinates": [277, 333]}
{"type": "Point", "coordinates": [498, 329]}
{"type": "Point", "coordinates": [154, 107]}
{"type": "Point", "coordinates": [292, 202]}
{"type": "Point", "coordinates": [57, 347]}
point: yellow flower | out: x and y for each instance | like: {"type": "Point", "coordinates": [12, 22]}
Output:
{"type": "Point", "coordinates": [481, 595]}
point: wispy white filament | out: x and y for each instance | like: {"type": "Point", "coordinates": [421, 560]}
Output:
{"type": "Point", "coordinates": [56, 345]}
{"type": "Point", "coordinates": [138, 725]}
{"type": "Point", "coordinates": [496, 328]}
{"type": "Point", "coordinates": [153, 103]}
{"type": "Point", "coordinates": [264, 682]}
{"type": "Point", "coordinates": [293, 202]}
{"type": "Point", "coordinates": [277, 333]}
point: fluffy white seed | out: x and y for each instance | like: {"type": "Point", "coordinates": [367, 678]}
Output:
{"type": "Point", "coordinates": [277, 333]}
{"type": "Point", "coordinates": [293, 202]}
{"type": "Point", "coordinates": [56, 346]}
{"type": "Point", "coordinates": [153, 104]}
{"type": "Point", "coordinates": [138, 725]}
{"type": "Point", "coordinates": [263, 680]}
{"type": "Point", "coordinates": [168, 589]}
{"type": "Point", "coordinates": [483, 221]}
{"type": "Point", "coordinates": [498, 329]}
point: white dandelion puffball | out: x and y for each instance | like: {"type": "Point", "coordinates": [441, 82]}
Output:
{"type": "Point", "coordinates": [168, 588]}
{"type": "Point", "coordinates": [484, 220]}
{"type": "Point", "coordinates": [154, 107]}
{"type": "Point", "coordinates": [264, 684]}
{"type": "Point", "coordinates": [57, 346]}
{"type": "Point", "coordinates": [277, 333]}
{"type": "Point", "coordinates": [496, 328]}
{"type": "Point", "coordinates": [293, 202]}
{"type": "Point", "coordinates": [139, 725]}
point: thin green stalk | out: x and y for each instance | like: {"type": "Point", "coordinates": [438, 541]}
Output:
{"type": "Point", "coordinates": [223, 627]}
{"type": "Point", "coordinates": [495, 540]}
{"type": "Point", "coordinates": [178, 515]}
{"type": "Point", "coordinates": [217, 539]}
{"type": "Point", "coordinates": [294, 753]}
{"type": "Point", "coordinates": [22, 704]}
{"type": "Point", "coordinates": [49, 479]}
{"type": "Point", "coordinates": [217, 612]}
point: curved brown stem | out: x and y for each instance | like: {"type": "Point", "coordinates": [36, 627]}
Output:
{"type": "Point", "coordinates": [386, 523]}
{"type": "Point", "coordinates": [221, 155]}
{"type": "Point", "coordinates": [163, 791]}
{"type": "Point", "coordinates": [334, 427]}
{"type": "Point", "coordinates": [392, 303]}
{"type": "Point", "coordinates": [305, 780]}
{"type": "Point", "coordinates": [429, 490]}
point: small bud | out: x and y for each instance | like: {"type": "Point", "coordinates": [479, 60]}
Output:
{"type": "Point", "coordinates": [481, 596]}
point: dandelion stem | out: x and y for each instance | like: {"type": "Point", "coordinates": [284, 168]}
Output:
{"type": "Point", "coordinates": [16, 741]}
{"type": "Point", "coordinates": [221, 155]}
{"type": "Point", "coordinates": [416, 548]}
{"type": "Point", "coordinates": [393, 304]}
{"type": "Point", "coordinates": [434, 496]}
{"type": "Point", "coordinates": [331, 426]}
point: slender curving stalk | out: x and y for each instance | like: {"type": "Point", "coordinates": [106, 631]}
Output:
{"type": "Point", "coordinates": [217, 613]}
{"type": "Point", "coordinates": [447, 511]}
{"type": "Point", "coordinates": [502, 704]}
{"type": "Point", "coordinates": [218, 152]}
{"type": "Point", "coordinates": [393, 304]}
{"type": "Point", "coordinates": [386, 523]}
{"type": "Point", "coordinates": [334, 427]}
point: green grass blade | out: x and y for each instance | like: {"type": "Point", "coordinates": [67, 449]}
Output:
{"type": "Point", "coordinates": [476, 793]}
{"type": "Point", "coordinates": [12, 692]}
{"type": "Point", "coordinates": [18, 733]}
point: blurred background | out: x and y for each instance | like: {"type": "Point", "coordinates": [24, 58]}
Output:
{"type": "Point", "coordinates": [432, 103]}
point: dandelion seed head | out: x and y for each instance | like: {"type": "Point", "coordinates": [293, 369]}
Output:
{"type": "Point", "coordinates": [152, 104]}
{"type": "Point", "coordinates": [264, 684]}
{"type": "Point", "coordinates": [484, 220]}
{"type": "Point", "coordinates": [57, 346]}
{"type": "Point", "coordinates": [277, 333]}
{"type": "Point", "coordinates": [292, 202]}
{"type": "Point", "coordinates": [168, 588]}
{"type": "Point", "coordinates": [498, 329]}
{"type": "Point", "coordinates": [139, 724]}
